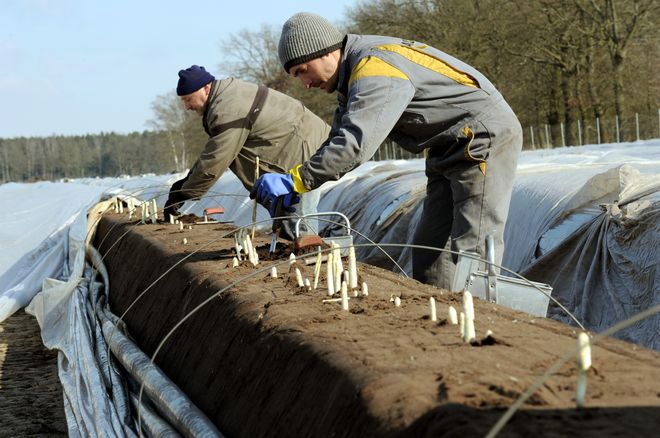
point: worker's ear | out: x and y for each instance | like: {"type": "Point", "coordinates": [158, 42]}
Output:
{"type": "Point", "coordinates": [207, 88]}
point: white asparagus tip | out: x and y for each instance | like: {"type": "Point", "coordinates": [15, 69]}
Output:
{"type": "Point", "coordinates": [469, 330]}
{"type": "Point", "coordinates": [583, 363]}
{"type": "Point", "coordinates": [434, 316]}
{"type": "Point", "coordinates": [452, 316]}
{"type": "Point", "coordinates": [468, 305]}
{"type": "Point", "coordinates": [584, 360]}
{"type": "Point", "coordinates": [344, 296]}
{"type": "Point", "coordinates": [299, 279]}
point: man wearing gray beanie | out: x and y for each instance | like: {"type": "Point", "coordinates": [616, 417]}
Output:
{"type": "Point", "coordinates": [426, 101]}
{"type": "Point", "coordinates": [245, 121]}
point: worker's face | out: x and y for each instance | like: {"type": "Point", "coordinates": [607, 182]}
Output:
{"type": "Point", "coordinates": [197, 101]}
{"type": "Point", "coordinates": [319, 72]}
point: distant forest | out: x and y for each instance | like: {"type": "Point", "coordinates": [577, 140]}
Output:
{"type": "Point", "coordinates": [562, 64]}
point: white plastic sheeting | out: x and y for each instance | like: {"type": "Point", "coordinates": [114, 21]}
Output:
{"type": "Point", "coordinates": [34, 224]}
{"type": "Point", "coordinates": [593, 217]}
{"type": "Point", "coordinates": [608, 269]}
{"type": "Point", "coordinates": [559, 190]}
{"type": "Point", "coordinates": [61, 310]}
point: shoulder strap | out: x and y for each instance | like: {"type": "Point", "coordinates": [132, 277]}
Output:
{"type": "Point", "coordinates": [250, 118]}
{"type": "Point", "coordinates": [257, 104]}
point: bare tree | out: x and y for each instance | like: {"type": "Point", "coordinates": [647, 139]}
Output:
{"type": "Point", "coordinates": [253, 56]}
{"type": "Point", "coordinates": [618, 21]}
{"type": "Point", "coordinates": [4, 148]}
{"type": "Point", "coordinates": [170, 117]}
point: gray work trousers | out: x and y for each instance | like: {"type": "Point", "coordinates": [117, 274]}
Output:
{"type": "Point", "coordinates": [467, 196]}
{"type": "Point", "coordinates": [308, 204]}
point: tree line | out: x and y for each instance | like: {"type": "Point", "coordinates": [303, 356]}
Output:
{"type": "Point", "coordinates": [556, 62]}
{"type": "Point", "coordinates": [28, 159]}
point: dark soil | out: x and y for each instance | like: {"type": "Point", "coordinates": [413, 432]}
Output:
{"type": "Point", "coordinates": [266, 358]}
{"type": "Point", "coordinates": [31, 401]}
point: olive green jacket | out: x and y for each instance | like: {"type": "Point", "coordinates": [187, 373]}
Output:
{"type": "Point", "coordinates": [284, 134]}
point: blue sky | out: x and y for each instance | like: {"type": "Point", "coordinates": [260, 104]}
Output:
{"type": "Point", "coordinates": [73, 67]}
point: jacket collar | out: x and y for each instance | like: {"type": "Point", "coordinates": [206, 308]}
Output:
{"type": "Point", "coordinates": [209, 104]}
{"type": "Point", "coordinates": [344, 72]}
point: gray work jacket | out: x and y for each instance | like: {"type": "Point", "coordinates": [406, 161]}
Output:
{"type": "Point", "coordinates": [416, 95]}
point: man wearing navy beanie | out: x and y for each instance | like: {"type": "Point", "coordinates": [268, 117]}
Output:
{"type": "Point", "coordinates": [245, 121]}
{"type": "Point", "coordinates": [192, 79]}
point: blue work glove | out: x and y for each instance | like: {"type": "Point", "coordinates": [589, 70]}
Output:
{"type": "Point", "coordinates": [272, 186]}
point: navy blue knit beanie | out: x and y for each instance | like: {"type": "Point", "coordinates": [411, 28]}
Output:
{"type": "Point", "coordinates": [192, 79]}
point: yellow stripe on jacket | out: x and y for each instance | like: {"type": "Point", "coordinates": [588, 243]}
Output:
{"type": "Point", "coordinates": [372, 66]}
{"type": "Point", "coordinates": [432, 63]}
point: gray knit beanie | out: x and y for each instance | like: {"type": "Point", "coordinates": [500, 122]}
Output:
{"type": "Point", "coordinates": [306, 36]}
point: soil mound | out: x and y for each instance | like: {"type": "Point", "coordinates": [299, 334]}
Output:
{"type": "Point", "coordinates": [267, 358]}
{"type": "Point", "coordinates": [31, 401]}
